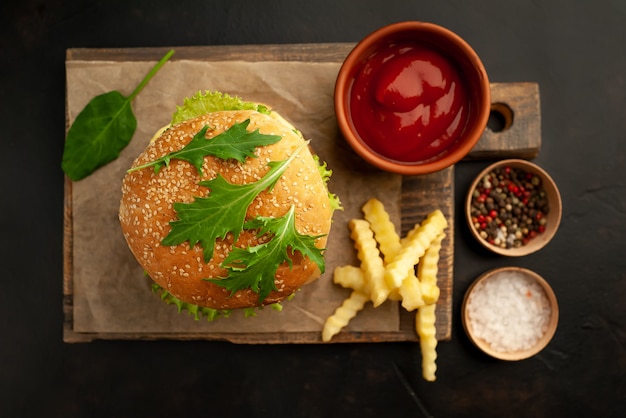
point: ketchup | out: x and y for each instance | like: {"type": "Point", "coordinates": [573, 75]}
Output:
{"type": "Point", "coordinates": [409, 103]}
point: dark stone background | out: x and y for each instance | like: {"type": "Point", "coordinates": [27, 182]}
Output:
{"type": "Point", "coordinates": [574, 50]}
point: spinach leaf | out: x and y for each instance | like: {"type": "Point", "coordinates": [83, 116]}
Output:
{"type": "Point", "coordinates": [102, 130]}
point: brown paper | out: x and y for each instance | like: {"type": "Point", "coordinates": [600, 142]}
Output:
{"type": "Point", "coordinates": [111, 294]}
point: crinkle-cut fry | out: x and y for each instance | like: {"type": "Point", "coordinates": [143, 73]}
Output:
{"type": "Point", "coordinates": [427, 270]}
{"type": "Point", "coordinates": [384, 230]}
{"type": "Point", "coordinates": [425, 318]}
{"type": "Point", "coordinates": [430, 293]}
{"type": "Point", "coordinates": [371, 262]}
{"type": "Point", "coordinates": [411, 292]}
{"type": "Point", "coordinates": [414, 294]}
{"type": "Point", "coordinates": [351, 277]}
{"type": "Point", "coordinates": [343, 314]}
{"type": "Point", "coordinates": [394, 295]}
{"type": "Point", "coordinates": [427, 267]}
{"type": "Point", "coordinates": [435, 217]}
{"type": "Point", "coordinates": [425, 327]}
{"type": "Point", "coordinates": [414, 247]}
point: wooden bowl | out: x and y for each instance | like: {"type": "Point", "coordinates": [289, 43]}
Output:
{"type": "Point", "coordinates": [465, 64]}
{"type": "Point", "coordinates": [513, 241]}
{"type": "Point", "coordinates": [500, 314]}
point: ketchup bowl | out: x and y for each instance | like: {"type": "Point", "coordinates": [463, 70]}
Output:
{"type": "Point", "coordinates": [412, 98]}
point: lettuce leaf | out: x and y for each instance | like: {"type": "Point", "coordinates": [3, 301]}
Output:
{"type": "Point", "coordinates": [210, 314]}
{"type": "Point", "coordinates": [194, 310]}
{"type": "Point", "coordinates": [326, 173]}
{"type": "Point", "coordinates": [205, 102]}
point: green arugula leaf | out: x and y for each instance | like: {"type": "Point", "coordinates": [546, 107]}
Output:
{"type": "Point", "coordinates": [255, 267]}
{"type": "Point", "coordinates": [222, 211]}
{"type": "Point", "coordinates": [102, 130]}
{"type": "Point", "coordinates": [284, 229]}
{"type": "Point", "coordinates": [202, 103]}
{"type": "Point", "coordinates": [236, 143]}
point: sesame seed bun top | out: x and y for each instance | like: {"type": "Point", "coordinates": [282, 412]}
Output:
{"type": "Point", "coordinates": [146, 209]}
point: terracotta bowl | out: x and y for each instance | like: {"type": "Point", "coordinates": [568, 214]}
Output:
{"type": "Point", "coordinates": [510, 243]}
{"type": "Point", "coordinates": [491, 327]}
{"type": "Point", "coordinates": [466, 65]}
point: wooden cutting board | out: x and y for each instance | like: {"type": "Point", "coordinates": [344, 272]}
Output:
{"type": "Point", "coordinates": [516, 104]}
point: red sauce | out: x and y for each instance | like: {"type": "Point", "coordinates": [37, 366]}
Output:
{"type": "Point", "coordinates": [409, 103]}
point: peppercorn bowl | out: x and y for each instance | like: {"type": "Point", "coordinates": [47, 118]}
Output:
{"type": "Point", "coordinates": [412, 98]}
{"type": "Point", "coordinates": [513, 208]}
{"type": "Point", "coordinates": [510, 313]}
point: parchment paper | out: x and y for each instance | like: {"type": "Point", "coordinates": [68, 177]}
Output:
{"type": "Point", "coordinates": [111, 293]}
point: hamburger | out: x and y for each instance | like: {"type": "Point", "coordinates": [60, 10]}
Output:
{"type": "Point", "coordinates": [227, 207]}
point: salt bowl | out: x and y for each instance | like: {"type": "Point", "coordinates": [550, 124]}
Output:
{"type": "Point", "coordinates": [510, 313]}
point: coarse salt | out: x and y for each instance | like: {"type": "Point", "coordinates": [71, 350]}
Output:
{"type": "Point", "coordinates": [509, 311]}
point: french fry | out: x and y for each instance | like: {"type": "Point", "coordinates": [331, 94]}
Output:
{"type": "Point", "coordinates": [394, 295]}
{"type": "Point", "coordinates": [430, 292]}
{"type": "Point", "coordinates": [384, 230]}
{"type": "Point", "coordinates": [425, 328]}
{"type": "Point", "coordinates": [414, 294]}
{"type": "Point", "coordinates": [427, 269]}
{"type": "Point", "coordinates": [421, 290]}
{"type": "Point", "coordinates": [414, 247]}
{"type": "Point", "coordinates": [351, 277]}
{"type": "Point", "coordinates": [425, 318]}
{"type": "Point", "coordinates": [385, 235]}
{"type": "Point", "coordinates": [388, 271]}
{"type": "Point", "coordinates": [428, 266]}
{"type": "Point", "coordinates": [342, 316]}
{"type": "Point", "coordinates": [371, 262]}
{"type": "Point", "coordinates": [411, 293]}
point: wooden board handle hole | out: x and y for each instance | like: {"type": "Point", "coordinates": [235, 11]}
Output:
{"type": "Point", "coordinates": [500, 117]}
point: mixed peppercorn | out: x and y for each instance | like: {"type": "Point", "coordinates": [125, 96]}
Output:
{"type": "Point", "coordinates": [509, 207]}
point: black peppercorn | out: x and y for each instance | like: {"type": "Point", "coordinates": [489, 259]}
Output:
{"type": "Point", "coordinates": [509, 206]}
